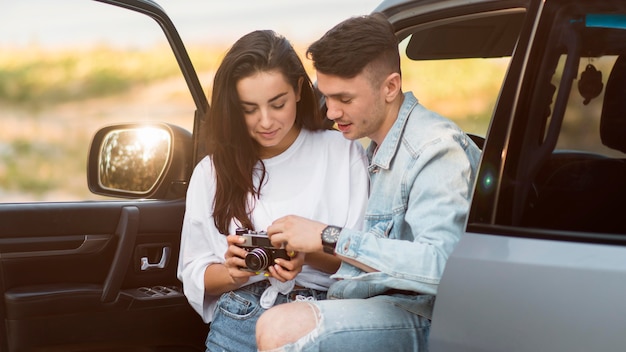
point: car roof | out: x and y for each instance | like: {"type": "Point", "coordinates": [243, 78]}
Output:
{"type": "Point", "coordinates": [389, 7]}
{"type": "Point", "coordinates": [450, 29]}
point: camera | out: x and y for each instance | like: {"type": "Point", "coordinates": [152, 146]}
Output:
{"type": "Point", "coordinates": [261, 253]}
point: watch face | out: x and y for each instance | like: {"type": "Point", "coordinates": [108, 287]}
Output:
{"type": "Point", "coordinates": [331, 234]}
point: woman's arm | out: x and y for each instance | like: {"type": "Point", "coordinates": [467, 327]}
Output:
{"type": "Point", "coordinates": [227, 276]}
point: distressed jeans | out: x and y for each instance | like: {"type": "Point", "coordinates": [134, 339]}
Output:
{"type": "Point", "coordinates": [233, 325]}
{"type": "Point", "coordinates": [379, 323]}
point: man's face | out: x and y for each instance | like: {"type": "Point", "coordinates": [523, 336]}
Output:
{"type": "Point", "coordinates": [354, 105]}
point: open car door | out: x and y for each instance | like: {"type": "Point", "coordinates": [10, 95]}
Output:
{"type": "Point", "coordinates": [80, 271]}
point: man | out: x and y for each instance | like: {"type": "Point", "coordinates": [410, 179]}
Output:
{"type": "Point", "coordinates": [422, 169]}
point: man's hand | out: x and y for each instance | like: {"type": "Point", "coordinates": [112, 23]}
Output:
{"type": "Point", "coordinates": [297, 234]}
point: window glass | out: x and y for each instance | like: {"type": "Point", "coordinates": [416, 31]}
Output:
{"type": "Point", "coordinates": [573, 177]}
{"type": "Point", "coordinates": [65, 74]}
{"type": "Point", "coordinates": [581, 121]}
{"type": "Point", "coordinates": [463, 90]}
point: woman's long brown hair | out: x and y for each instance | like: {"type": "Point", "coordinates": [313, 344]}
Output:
{"type": "Point", "coordinates": [235, 154]}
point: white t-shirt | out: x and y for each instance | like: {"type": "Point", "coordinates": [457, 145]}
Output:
{"type": "Point", "coordinates": [321, 176]}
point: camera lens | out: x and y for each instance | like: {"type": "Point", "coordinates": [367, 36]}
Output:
{"type": "Point", "coordinates": [257, 259]}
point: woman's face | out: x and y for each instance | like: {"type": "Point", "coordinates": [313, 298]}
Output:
{"type": "Point", "coordinates": [269, 107]}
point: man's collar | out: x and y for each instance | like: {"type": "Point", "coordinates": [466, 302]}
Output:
{"type": "Point", "coordinates": [382, 155]}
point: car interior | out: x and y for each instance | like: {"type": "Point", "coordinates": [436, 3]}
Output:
{"type": "Point", "coordinates": [490, 34]}
{"type": "Point", "coordinates": [487, 35]}
{"type": "Point", "coordinates": [572, 168]}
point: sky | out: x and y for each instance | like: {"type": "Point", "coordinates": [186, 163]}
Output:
{"type": "Point", "coordinates": [199, 20]}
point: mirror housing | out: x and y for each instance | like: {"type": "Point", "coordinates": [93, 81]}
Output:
{"type": "Point", "coordinates": [140, 161]}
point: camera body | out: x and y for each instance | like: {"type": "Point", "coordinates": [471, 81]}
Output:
{"type": "Point", "coordinates": [261, 253]}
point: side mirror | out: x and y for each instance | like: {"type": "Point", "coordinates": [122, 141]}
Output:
{"type": "Point", "coordinates": [140, 161]}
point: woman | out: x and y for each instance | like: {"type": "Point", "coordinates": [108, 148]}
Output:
{"type": "Point", "coordinates": [271, 153]}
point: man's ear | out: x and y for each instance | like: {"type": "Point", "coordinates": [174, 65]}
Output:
{"type": "Point", "coordinates": [299, 91]}
{"type": "Point", "coordinates": [392, 86]}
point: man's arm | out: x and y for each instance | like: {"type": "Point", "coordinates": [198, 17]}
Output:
{"type": "Point", "coordinates": [303, 235]}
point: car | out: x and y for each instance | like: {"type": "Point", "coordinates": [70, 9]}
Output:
{"type": "Point", "coordinates": [542, 262]}
{"type": "Point", "coordinates": [535, 82]}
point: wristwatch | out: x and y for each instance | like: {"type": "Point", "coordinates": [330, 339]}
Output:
{"type": "Point", "coordinates": [330, 235]}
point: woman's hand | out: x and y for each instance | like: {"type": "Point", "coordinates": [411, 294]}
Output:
{"type": "Point", "coordinates": [285, 270]}
{"type": "Point", "coordinates": [235, 261]}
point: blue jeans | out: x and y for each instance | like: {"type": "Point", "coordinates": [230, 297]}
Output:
{"type": "Point", "coordinates": [236, 314]}
{"type": "Point", "coordinates": [379, 323]}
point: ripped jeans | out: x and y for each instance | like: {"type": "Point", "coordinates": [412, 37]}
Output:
{"type": "Point", "coordinates": [379, 323]}
{"type": "Point", "coordinates": [236, 314]}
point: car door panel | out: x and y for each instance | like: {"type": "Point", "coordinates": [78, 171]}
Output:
{"type": "Point", "coordinates": [72, 277]}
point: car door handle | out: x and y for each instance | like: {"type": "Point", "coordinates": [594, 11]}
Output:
{"type": "Point", "coordinates": [165, 255]}
{"type": "Point", "coordinates": [126, 232]}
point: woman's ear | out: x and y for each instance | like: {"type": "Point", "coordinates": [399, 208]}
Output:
{"type": "Point", "coordinates": [299, 91]}
{"type": "Point", "coordinates": [392, 86]}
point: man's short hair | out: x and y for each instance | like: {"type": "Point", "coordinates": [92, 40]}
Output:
{"type": "Point", "coordinates": [352, 45]}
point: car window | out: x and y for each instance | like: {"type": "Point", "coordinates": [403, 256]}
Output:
{"type": "Point", "coordinates": [571, 168]}
{"type": "Point", "coordinates": [456, 64]}
{"type": "Point", "coordinates": [464, 90]}
{"type": "Point", "coordinates": [583, 111]}
{"type": "Point", "coordinates": [62, 77]}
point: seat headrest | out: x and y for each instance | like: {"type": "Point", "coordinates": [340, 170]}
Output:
{"type": "Point", "coordinates": [613, 118]}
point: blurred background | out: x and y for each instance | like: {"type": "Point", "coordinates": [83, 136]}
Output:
{"type": "Point", "coordinates": [70, 67]}
{"type": "Point", "coordinates": [213, 22]}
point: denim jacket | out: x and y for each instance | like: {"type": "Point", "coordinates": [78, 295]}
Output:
{"type": "Point", "coordinates": [421, 179]}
